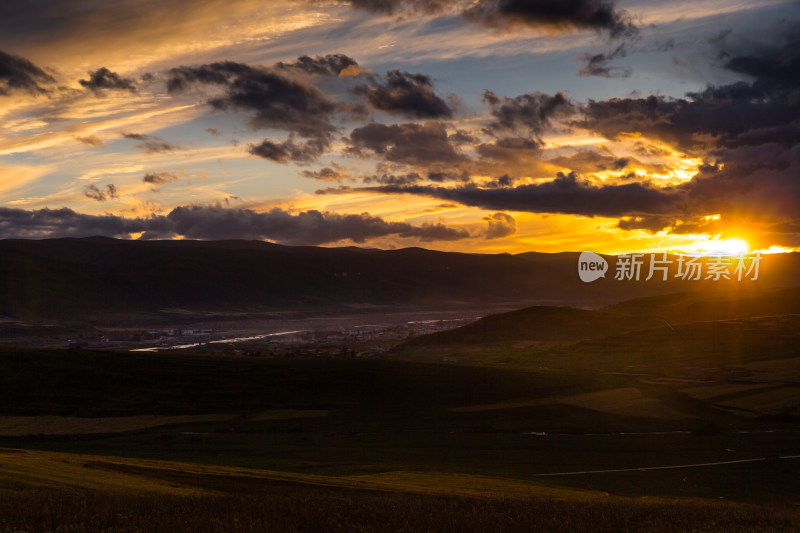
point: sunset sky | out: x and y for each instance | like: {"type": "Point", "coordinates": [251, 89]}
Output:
{"type": "Point", "coordinates": [480, 126]}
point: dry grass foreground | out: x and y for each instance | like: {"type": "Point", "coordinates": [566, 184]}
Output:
{"type": "Point", "coordinates": [70, 493]}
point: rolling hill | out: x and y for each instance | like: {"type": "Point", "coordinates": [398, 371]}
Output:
{"type": "Point", "coordinates": [540, 323]}
{"type": "Point", "coordinates": [548, 323]}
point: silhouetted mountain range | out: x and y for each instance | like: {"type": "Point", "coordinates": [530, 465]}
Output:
{"type": "Point", "coordinates": [101, 279]}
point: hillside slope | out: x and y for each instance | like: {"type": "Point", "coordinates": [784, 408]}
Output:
{"type": "Point", "coordinates": [545, 323]}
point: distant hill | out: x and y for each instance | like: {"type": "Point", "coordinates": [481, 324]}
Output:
{"type": "Point", "coordinates": [545, 323]}
{"type": "Point", "coordinates": [541, 323]}
{"type": "Point", "coordinates": [101, 279]}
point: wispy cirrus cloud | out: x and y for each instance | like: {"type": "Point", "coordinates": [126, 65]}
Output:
{"type": "Point", "coordinates": [152, 144]}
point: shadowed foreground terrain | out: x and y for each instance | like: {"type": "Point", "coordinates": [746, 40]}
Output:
{"type": "Point", "coordinates": [104, 441]}
{"type": "Point", "coordinates": [675, 413]}
{"type": "Point", "coordinates": [303, 508]}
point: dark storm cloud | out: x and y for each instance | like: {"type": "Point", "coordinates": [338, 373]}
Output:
{"type": "Point", "coordinates": [748, 132]}
{"type": "Point", "coordinates": [100, 194]}
{"type": "Point", "coordinates": [152, 144]}
{"type": "Point", "coordinates": [757, 186]}
{"type": "Point", "coordinates": [499, 225]}
{"type": "Point", "coordinates": [565, 194]}
{"type": "Point", "coordinates": [221, 73]}
{"type": "Point", "coordinates": [599, 15]}
{"type": "Point", "coordinates": [531, 112]}
{"type": "Point", "coordinates": [777, 66]}
{"type": "Point", "coordinates": [103, 78]}
{"type": "Point", "coordinates": [757, 182]}
{"type": "Point", "coordinates": [410, 143]}
{"type": "Point", "coordinates": [276, 100]}
{"type": "Point", "coordinates": [727, 116]}
{"type": "Point", "coordinates": [215, 222]}
{"type": "Point", "coordinates": [307, 227]}
{"type": "Point", "coordinates": [288, 150]}
{"type": "Point", "coordinates": [563, 15]}
{"type": "Point", "coordinates": [329, 65]}
{"type": "Point", "coordinates": [44, 223]}
{"type": "Point", "coordinates": [405, 94]}
{"type": "Point", "coordinates": [17, 73]}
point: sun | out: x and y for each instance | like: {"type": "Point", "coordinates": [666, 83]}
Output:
{"type": "Point", "coordinates": [726, 246]}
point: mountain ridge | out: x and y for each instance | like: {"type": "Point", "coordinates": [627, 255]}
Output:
{"type": "Point", "coordinates": [101, 278]}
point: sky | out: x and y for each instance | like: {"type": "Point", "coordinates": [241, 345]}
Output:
{"type": "Point", "coordinates": [481, 126]}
